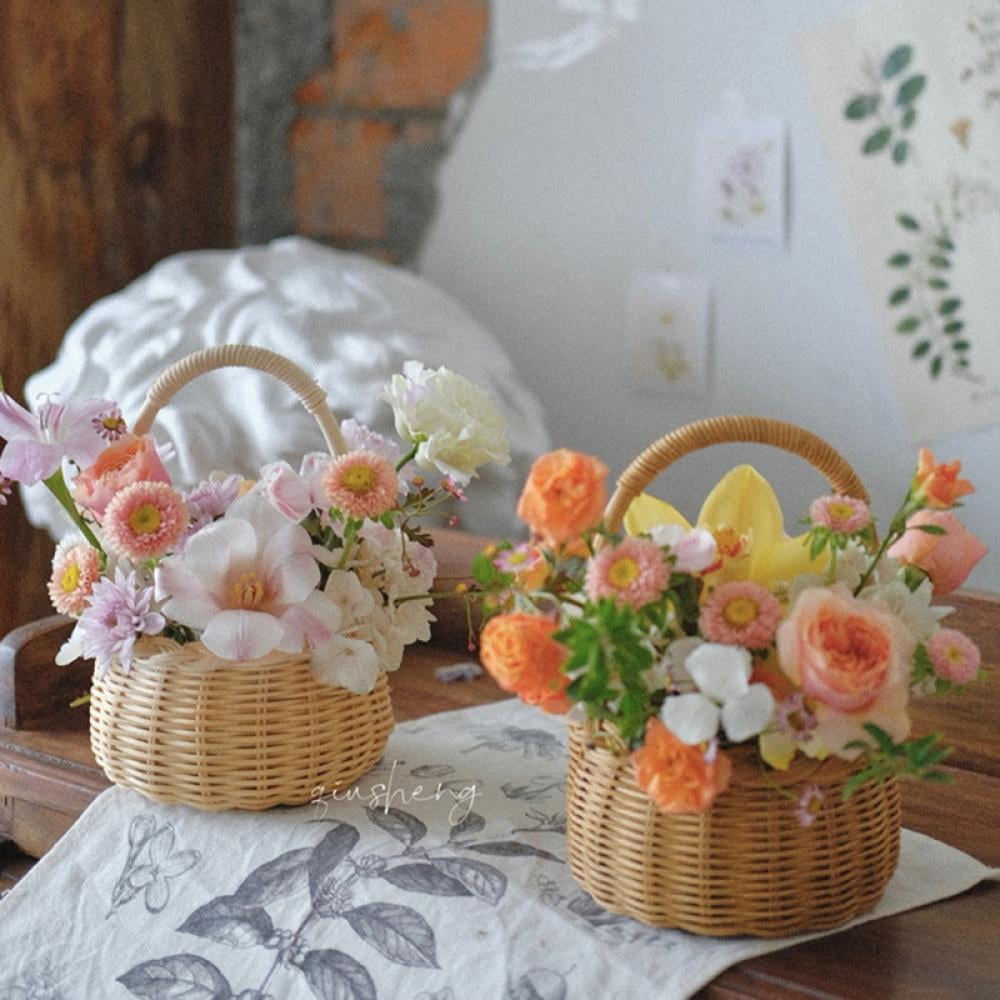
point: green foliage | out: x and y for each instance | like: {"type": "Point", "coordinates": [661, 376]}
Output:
{"type": "Point", "coordinates": [896, 61]}
{"type": "Point", "coordinates": [884, 758]}
{"type": "Point", "coordinates": [877, 141]}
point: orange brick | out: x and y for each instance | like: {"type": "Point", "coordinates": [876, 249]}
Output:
{"type": "Point", "coordinates": [338, 178]}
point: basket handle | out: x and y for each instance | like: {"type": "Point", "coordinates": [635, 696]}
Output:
{"type": "Point", "coordinates": [310, 393]}
{"type": "Point", "coordinates": [726, 430]}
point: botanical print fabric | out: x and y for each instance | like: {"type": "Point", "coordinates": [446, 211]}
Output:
{"type": "Point", "coordinates": [439, 876]}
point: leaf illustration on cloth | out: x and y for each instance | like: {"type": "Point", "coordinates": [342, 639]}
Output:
{"type": "Point", "coordinates": [325, 858]}
{"type": "Point", "coordinates": [512, 849]}
{"type": "Point", "coordinates": [424, 878]}
{"type": "Point", "coordinates": [538, 984]}
{"type": "Point", "coordinates": [227, 921]}
{"type": "Point", "coordinates": [286, 875]}
{"type": "Point", "coordinates": [398, 932]}
{"type": "Point", "coordinates": [510, 739]}
{"type": "Point", "coordinates": [432, 771]}
{"type": "Point", "coordinates": [472, 823]}
{"type": "Point", "coordinates": [332, 975]}
{"type": "Point", "coordinates": [481, 879]}
{"type": "Point", "coordinates": [177, 976]}
{"type": "Point", "coordinates": [405, 827]}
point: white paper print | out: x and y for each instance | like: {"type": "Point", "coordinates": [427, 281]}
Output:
{"type": "Point", "coordinates": [667, 322]}
{"type": "Point", "coordinates": [741, 167]}
{"type": "Point", "coordinates": [908, 99]}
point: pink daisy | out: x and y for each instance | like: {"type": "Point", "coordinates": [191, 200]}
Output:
{"type": "Point", "coordinates": [842, 514]}
{"type": "Point", "coordinates": [361, 484]}
{"type": "Point", "coordinates": [76, 567]}
{"type": "Point", "coordinates": [794, 718]}
{"type": "Point", "coordinates": [810, 803]}
{"type": "Point", "coordinates": [145, 520]}
{"type": "Point", "coordinates": [955, 656]}
{"type": "Point", "coordinates": [741, 613]}
{"type": "Point", "coordinates": [110, 424]}
{"type": "Point", "coordinates": [634, 572]}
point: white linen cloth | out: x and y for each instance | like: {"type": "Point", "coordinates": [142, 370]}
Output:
{"type": "Point", "coordinates": [415, 889]}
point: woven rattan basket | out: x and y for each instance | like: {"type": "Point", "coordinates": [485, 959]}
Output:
{"type": "Point", "coordinates": [185, 726]}
{"type": "Point", "coordinates": [745, 866]}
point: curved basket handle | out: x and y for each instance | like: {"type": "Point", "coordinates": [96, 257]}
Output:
{"type": "Point", "coordinates": [726, 430]}
{"type": "Point", "coordinates": [312, 395]}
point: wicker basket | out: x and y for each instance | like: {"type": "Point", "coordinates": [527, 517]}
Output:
{"type": "Point", "coordinates": [746, 866]}
{"type": "Point", "coordinates": [185, 726]}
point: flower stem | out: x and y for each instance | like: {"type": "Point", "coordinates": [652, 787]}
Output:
{"type": "Point", "coordinates": [56, 484]}
{"type": "Point", "coordinates": [408, 457]}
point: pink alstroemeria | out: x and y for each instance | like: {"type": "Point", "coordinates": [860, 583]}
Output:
{"type": "Point", "coordinates": [249, 582]}
{"type": "Point", "coordinates": [38, 442]}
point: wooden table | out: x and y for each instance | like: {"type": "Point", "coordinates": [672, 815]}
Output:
{"type": "Point", "coordinates": [948, 950]}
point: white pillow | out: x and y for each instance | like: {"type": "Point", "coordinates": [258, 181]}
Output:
{"type": "Point", "coordinates": [348, 320]}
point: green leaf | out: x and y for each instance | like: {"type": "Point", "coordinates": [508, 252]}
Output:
{"type": "Point", "coordinates": [896, 61]}
{"type": "Point", "coordinates": [861, 107]}
{"type": "Point", "coordinates": [930, 529]}
{"type": "Point", "coordinates": [909, 117]}
{"type": "Point", "coordinates": [882, 739]}
{"type": "Point", "coordinates": [944, 243]}
{"type": "Point", "coordinates": [911, 89]}
{"type": "Point", "coordinates": [900, 152]}
{"type": "Point", "coordinates": [900, 260]}
{"type": "Point", "coordinates": [937, 283]}
{"type": "Point", "coordinates": [908, 325]}
{"type": "Point", "coordinates": [936, 365]}
{"type": "Point", "coordinates": [961, 345]}
{"type": "Point", "coordinates": [877, 141]}
{"type": "Point", "coordinates": [955, 326]}
{"type": "Point", "coordinates": [483, 570]}
{"type": "Point", "coordinates": [949, 306]}
{"type": "Point", "coordinates": [899, 295]}
{"type": "Point", "coordinates": [908, 222]}
{"type": "Point", "coordinates": [921, 349]}
{"type": "Point", "coordinates": [940, 262]}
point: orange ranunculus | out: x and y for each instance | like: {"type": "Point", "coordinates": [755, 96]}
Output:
{"type": "Point", "coordinates": [129, 460]}
{"type": "Point", "coordinates": [676, 776]}
{"type": "Point", "coordinates": [947, 559]}
{"type": "Point", "coordinates": [939, 485]}
{"type": "Point", "coordinates": [520, 653]}
{"type": "Point", "coordinates": [564, 496]}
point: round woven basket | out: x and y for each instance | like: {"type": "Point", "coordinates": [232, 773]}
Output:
{"type": "Point", "coordinates": [746, 865]}
{"type": "Point", "coordinates": [184, 726]}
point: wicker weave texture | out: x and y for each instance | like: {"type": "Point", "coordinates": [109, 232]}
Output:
{"type": "Point", "coordinates": [746, 866]}
{"type": "Point", "coordinates": [251, 736]}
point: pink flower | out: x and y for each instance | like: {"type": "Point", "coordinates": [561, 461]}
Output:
{"type": "Point", "coordinates": [946, 558]}
{"type": "Point", "coordinates": [842, 514]}
{"type": "Point", "coordinates": [360, 437]}
{"type": "Point", "coordinates": [694, 550]}
{"type": "Point", "coordinates": [129, 460]}
{"type": "Point", "coordinates": [76, 567]}
{"type": "Point", "coordinates": [211, 499]}
{"type": "Point", "coordinates": [361, 484]}
{"type": "Point", "coordinates": [287, 491]}
{"type": "Point", "coordinates": [110, 425]}
{"type": "Point", "coordinates": [955, 656]}
{"type": "Point", "coordinates": [794, 718]}
{"type": "Point", "coordinates": [37, 443]}
{"type": "Point", "coordinates": [741, 613]}
{"type": "Point", "coordinates": [810, 804]}
{"type": "Point", "coordinates": [145, 520]}
{"type": "Point", "coordinates": [634, 572]}
{"type": "Point", "coordinates": [852, 660]}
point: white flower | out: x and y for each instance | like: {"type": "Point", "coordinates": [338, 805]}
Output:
{"type": "Point", "coordinates": [692, 718]}
{"type": "Point", "coordinates": [911, 607]}
{"type": "Point", "coordinates": [694, 549]}
{"type": "Point", "coordinates": [345, 662]}
{"type": "Point", "coordinates": [720, 671]}
{"type": "Point", "coordinates": [453, 422]}
{"type": "Point", "coordinates": [354, 602]}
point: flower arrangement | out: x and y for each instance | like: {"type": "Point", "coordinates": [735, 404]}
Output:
{"type": "Point", "coordinates": [328, 560]}
{"type": "Point", "coordinates": [676, 643]}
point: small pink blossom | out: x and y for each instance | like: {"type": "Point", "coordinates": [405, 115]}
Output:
{"type": "Point", "coordinates": [634, 572]}
{"type": "Point", "coordinates": [795, 719]}
{"type": "Point", "coordinates": [361, 484]}
{"type": "Point", "coordinates": [843, 514]}
{"type": "Point", "coordinates": [145, 520]}
{"type": "Point", "coordinates": [76, 567]}
{"type": "Point", "coordinates": [288, 492]}
{"type": "Point", "coordinates": [955, 656]}
{"type": "Point", "coordinates": [110, 425]}
{"type": "Point", "coordinates": [693, 551]}
{"type": "Point", "coordinates": [741, 613]}
{"type": "Point", "coordinates": [211, 499]}
{"type": "Point", "coordinates": [450, 486]}
{"type": "Point", "coordinates": [810, 804]}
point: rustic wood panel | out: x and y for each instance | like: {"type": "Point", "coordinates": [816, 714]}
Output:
{"type": "Point", "coordinates": [116, 150]}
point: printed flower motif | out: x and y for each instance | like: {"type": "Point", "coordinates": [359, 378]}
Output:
{"type": "Point", "coordinates": [810, 804]}
{"type": "Point", "coordinates": [633, 572]}
{"type": "Point", "coordinates": [249, 581]}
{"type": "Point", "coordinates": [117, 614]}
{"type": "Point", "coordinates": [564, 496]}
{"type": "Point", "coordinates": [129, 460]}
{"type": "Point", "coordinates": [37, 443]}
{"type": "Point", "coordinates": [938, 485]}
{"type": "Point", "coordinates": [145, 520]}
{"type": "Point", "coordinates": [76, 567]}
{"type": "Point", "coordinates": [946, 558]}
{"type": "Point", "coordinates": [520, 653]}
{"type": "Point", "coordinates": [955, 656]}
{"type": "Point", "coordinates": [694, 551]}
{"type": "Point", "coordinates": [361, 484]}
{"type": "Point", "coordinates": [679, 778]}
{"type": "Point", "coordinates": [852, 660]}
{"type": "Point", "coordinates": [110, 425]}
{"type": "Point", "coordinates": [842, 514]}
{"type": "Point", "coordinates": [453, 422]}
{"type": "Point", "coordinates": [741, 613]}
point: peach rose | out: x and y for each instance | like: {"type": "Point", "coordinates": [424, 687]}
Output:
{"type": "Point", "coordinates": [947, 559]}
{"type": "Point", "coordinates": [520, 653]}
{"type": "Point", "coordinates": [564, 496]}
{"type": "Point", "coordinates": [678, 777]}
{"type": "Point", "coordinates": [852, 660]}
{"type": "Point", "coordinates": [939, 485]}
{"type": "Point", "coordinates": [129, 460]}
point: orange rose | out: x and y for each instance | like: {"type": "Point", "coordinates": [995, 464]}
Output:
{"type": "Point", "coordinates": [677, 777]}
{"type": "Point", "coordinates": [129, 460]}
{"type": "Point", "coordinates": [939, 485]}
{"type": "Point", "coordinates": [564, 496]}
{"type": "Point", "coordinates": [520, 653]}
{"type": "Point", "coordinates": [947, 559]}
